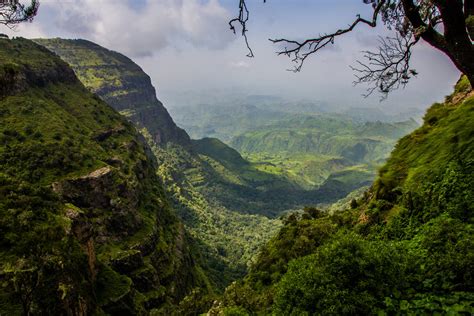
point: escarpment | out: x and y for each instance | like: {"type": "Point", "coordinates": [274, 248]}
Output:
{"type": "Point", "coordinates": [122, 84]}
{"type": "Point", "coordinates": [85, 224]}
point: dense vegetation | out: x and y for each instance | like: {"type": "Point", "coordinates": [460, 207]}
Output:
{"type": "Point", "coordinates": [85, 225]}
{"type": "Point", "coordinates": [405, 246]}
{"type": "Point", "coordinates": [303, 143]}
{"type": "Point", "coordinates": [209, 183]}
{"type": "Point", "coordinates": [220, 196]}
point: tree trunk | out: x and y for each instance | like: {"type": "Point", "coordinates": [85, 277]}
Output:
{"type": "Point", "coordinates": [459, 44]}
{"type": "Point", "coordinates": [455, 42]}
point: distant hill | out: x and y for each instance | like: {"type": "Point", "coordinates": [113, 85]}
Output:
{"type": "Point", "coordinates": [403, 247]}
{"type": "Point", "coordinates": [299, 140]}
{"type": "Point", "coordinates": [121, 83]}
{"type": "Point", "coordinates": [217, 150]}
{"type": "Point", "coordinates": [307, 149]}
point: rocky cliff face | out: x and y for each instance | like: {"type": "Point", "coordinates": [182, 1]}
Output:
{"type": "Point", "coordinates": [122, 84]}
{"type": "Point", "coordinates": [85, 225]}
{"type": "Point", "coordinates": [203, 178]}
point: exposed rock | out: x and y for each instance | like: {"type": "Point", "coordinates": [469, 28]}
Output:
{"type": "Point", "coordinates": [127, 261]}
{"type": "Point", "coordinates": [132, 93]}
{"type": "Point", "coordinates": [106, 134]}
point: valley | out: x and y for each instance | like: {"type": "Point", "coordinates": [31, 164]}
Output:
{"type": "Point", "coordinates": [231, 203]}
{"type": "Point", "coordinates": [132, 214]}
{"type": "Point", "coordinates": [305, 148]}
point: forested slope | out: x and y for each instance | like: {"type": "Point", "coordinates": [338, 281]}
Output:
{"type": "Point", "coordinates": [405, 246]}
{"type": "Point", "coordinates": [212, 197]}
{"type": "Point", "coordinates": [85, 224]}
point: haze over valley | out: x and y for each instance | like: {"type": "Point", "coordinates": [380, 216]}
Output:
{"type": "Point", "coordinates": [147, 167]}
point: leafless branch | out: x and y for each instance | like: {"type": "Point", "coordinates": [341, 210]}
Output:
{"type": "Point", "coordinates": [242, 20]}
{"type": "Point", "coordinates": [298, 51]}
{"type": "Point", "coordinates": [388, 68]}
{"type": "Point", "coordinates": [411, 20]}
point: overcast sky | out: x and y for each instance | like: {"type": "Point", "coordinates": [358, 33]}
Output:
{"type": "Point", "coordinates": [186, 46]}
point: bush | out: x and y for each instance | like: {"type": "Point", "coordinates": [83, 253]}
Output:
{"type": "Point", "coordinates": [349, 275]}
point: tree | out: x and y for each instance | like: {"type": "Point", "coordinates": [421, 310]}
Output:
{"type": "Point", "coordinates": [12, 12]}
{"type": "Point", "coordinates": [447, 25]}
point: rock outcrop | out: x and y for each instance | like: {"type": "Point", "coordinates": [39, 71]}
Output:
{"type": "Point", "coordinates": [85, 224]}
{"type": "Point", "coordinates": [122, 84]}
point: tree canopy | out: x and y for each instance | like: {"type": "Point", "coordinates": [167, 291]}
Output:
{"type": "Point", "coordinates": [12, 12]}
{"type": "Point", "coordinates": [447, 25]}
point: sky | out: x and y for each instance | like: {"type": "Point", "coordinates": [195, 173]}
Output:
{"type": "Point", "coordinates": [187, 48]}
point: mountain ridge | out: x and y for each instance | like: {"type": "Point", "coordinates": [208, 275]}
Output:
{"type": "Point", "coordinates": [86, 226]}
{"type": "Point", "coordinates": [130, 92]}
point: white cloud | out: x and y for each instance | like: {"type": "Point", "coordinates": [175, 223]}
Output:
{"type": "Point", "coordinates": [175, 42]}
{"type": "Point", "coordinates": [240, 64]}
{"type": "Point", "coordinates": [156, 25]}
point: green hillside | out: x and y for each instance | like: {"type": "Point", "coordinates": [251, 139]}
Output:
{"type": "Point", "coordinates": [213, 189]}
{"type": "Point", "coordinates": [85, 225]}
{"type": "Point", "coordinates": [121, 82]}
{"type": "Point", "coordinates": [217, 150]}
{"type": "Point", "coordinates": [357, 142]}
{"type": "Point", "coordinates": [309, 150]}
{"type": "Point", "coordinates": [304, 147]}
{"type": "Point", "coordinates": [403, 247]}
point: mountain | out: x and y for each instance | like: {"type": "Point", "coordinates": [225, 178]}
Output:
{"type": "Point", "coordinates": [228, 204]}
{"type": "Point", "coordinates": [388, 115]}
{"type": "Point", "coordinates": [324, 135]}
{"type": "Point", "coordinates": [402, 247]}
{"type": "Point", "coordinates": [312, 150]}
{"type": "Point", "coordinates": [212, 188]}
{"type": "Point", "coordinates": [303, 143]}
{"type": "Point", "coordinates": [121, 83]}
{"type": "Point", "coordinates": [223, 121]}
{"type": "Point", "coordinates": [86, 227]}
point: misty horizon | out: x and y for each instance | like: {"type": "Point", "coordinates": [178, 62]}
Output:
{"type": "Point", "coordinates": [187, 49]}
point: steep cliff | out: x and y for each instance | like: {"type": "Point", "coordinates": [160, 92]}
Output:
{"type": "Point", "coordinates": [122, 84]}
{"type": "Point", "coordinates": [85, 224]}
{"type": "Point", "coordinates": [209, 183]}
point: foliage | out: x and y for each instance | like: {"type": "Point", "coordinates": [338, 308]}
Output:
{"type": "Point", "coordinates": [14, 12]}
{"type": "Point", "coordinates": [83, 215]}
{"type": "Point", "coordinates": [343, 277]}
{"type": "Point", "coordinates": [404, 247]}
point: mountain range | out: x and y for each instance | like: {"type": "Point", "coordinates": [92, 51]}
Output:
{"type": "Point", "coordinates": [108, 207]}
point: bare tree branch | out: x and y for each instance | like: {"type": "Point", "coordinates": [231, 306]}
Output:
{"type": "Point", "coordinates": [388, 68]}
{"type": "Point", "coordinates": [242, 19]}
{"type": "Point", "coordinates": [299, 51]}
